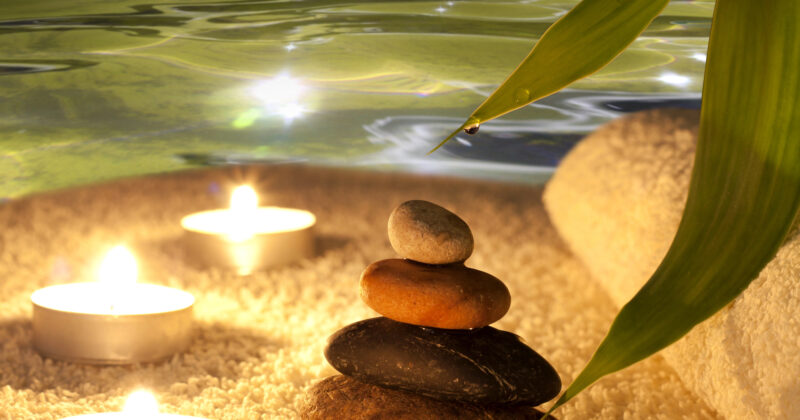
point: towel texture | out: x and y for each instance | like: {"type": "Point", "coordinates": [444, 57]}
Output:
{"type": "Point", "coordinates": [617, 199]}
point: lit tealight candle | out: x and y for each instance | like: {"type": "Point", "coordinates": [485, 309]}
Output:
{"type": "Point", "coordinates": [113, 321]}
{"type": "Point", "coordinates": [247, 237]}
{"type": "Point", "coordinates": [140, 405]}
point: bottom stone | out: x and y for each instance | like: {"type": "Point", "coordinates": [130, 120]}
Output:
{"type": "Point", "coordinates": [343, 397]}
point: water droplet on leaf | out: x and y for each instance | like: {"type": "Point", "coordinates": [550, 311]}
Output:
{"type": "Point", "coordinates": [522, 95]}
{"type": "Point", "coordinates": [472, 129]}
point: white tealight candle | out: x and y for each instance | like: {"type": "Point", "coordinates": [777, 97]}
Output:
{"type": "Point", "coordinates": [247, 237]}
{"type": "Point", "coordinates": [113, 321]}
{"type": "Point", "coordinates": [140, 405]}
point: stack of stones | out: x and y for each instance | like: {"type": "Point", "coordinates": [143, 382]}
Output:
{"type": "Point", "coordinates": [432, 354]}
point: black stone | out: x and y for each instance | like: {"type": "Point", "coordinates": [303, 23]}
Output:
{"type": "Point", "coordinates": [484, 365]}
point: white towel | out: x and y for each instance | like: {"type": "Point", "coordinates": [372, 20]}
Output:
{"type": "Point", "coordinates": [617, 199]}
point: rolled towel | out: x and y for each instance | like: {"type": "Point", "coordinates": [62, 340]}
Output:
{"type": "Point", "coordinates": [617, 199]}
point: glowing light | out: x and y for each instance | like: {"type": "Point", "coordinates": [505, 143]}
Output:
{"type": "Point", "coordinates": [441, 9]}
{"type": "Point", "coordinates": [140, 404]}
{"type": "Point", "coordinates": [280, 90]}
{"type": "Point", "coordinates": [699, 57]}
{"type": "Point", "coordinates": [290, 47]}
{"type": "Point", "coordinates": [291, 111]}
{"type": "Point", "coordinates": [117, 275]}
{"type": "Point", "coordinates": [119, 267]}
{"type": "Point", "coordinates": [281, 96]}
{"type": "Point", "coordinates": [244, 198]}
{"type": "Point", "coordinates": [675, 79]}
{"type": "Point", "coordinates": [244, 206]}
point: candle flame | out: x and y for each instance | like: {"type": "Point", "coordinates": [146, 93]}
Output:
{"type": "Point", "coordinates": [119, 267]}
{"type": "Point", "coordinates": [244, 198]}
{"type": "Point", "coordinates": [140, 404]}
{"type": "Point", "coordinates": [244, 203]}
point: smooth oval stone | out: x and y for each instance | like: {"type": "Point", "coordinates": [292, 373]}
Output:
{"type": "Point", "coordinates": [428, 233]}
{"type": "Point", "coordinates": [340, 396]}
{"type": "Point", "coordinates": [485, 366]}
{"type": "Point", "coordinates": [451, 296]}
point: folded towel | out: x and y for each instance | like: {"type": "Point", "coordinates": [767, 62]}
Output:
{"type": "Point", "coordinates": [617, 199]}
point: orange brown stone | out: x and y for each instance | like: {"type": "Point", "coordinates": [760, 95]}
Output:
{"type": "Point", "coordinates": [339, 397]}
{"type": "Point", "coordinates": [450, 296]}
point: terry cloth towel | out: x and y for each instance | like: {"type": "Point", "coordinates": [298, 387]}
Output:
{"type": "Point", "coordinates": [617, 199]}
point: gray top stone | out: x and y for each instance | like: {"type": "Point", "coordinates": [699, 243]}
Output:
{"type": "Point", "coordinates": [428, 233]}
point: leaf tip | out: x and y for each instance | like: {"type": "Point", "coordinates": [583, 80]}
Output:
{"type": "Point", "coordinates": [471, 121]}
{"type": "Point", "coordinates": [453, 134]}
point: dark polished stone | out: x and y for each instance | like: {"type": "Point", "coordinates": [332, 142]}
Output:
{"type": "Point", "coordinates": [343, 397]}
{"type": "Point", "coordinates": [484, 365]}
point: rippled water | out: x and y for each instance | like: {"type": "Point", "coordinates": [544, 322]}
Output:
{"type": "Point", "coordinates": [95, 89]}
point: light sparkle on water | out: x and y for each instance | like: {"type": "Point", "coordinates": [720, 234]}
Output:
{"type": "Point", "coordinates": [281, 96]}
{"type": "Point", "coordinates": [675, 79]}
{"type": "Point", "coordinates": [290, 112]}
{"type": "Point", "coordinates": [282, 89]}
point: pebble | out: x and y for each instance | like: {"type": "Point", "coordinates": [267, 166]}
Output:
{"type": "Point", "coordinates": [425, 232]}
{"type": "Point", "coordinates": [486, 365]}
{"type": "Point", "coordinates": [343, 397]}
{"type": "Point", "coordinates": [450, 297]}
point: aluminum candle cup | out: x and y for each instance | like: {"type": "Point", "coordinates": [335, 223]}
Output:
{"type": "Point", "coordinates": [75, 322]}
{"type": "Point", "coordinates": [275, 236]}
{"type": "Point", "coordinates": [113, 321]}
{"type": "Point", "coordinates": [247, 237]}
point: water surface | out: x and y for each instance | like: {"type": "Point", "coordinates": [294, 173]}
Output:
{"type": "Point", "coordinates": [94, 89]}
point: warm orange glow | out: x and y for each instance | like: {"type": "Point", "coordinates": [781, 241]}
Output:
{"type": "Point", "coordinates": [244, 204]}
{"type": "Point", "coordinates": [141, 404]}
{"type": "Point", "coordinates": [244, 198]}
{"type": "Point", "coordinates": [119, 267]}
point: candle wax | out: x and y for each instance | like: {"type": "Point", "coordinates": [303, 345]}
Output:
{"type": "Point", "coordinates": [257, 221]}
{"type": "Point", "coordinates": [103, 299]}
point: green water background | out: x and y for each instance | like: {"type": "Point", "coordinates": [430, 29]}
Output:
{"type": "Point", "coordinates": [94, 90]}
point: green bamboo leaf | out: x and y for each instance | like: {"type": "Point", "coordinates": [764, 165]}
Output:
{"type": "Point", "coordinates": [745, 189]}
{"type": "Point", "coordinates": [577, 45]}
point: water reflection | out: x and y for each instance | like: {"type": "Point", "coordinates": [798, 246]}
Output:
{"type": "Point", "coordinates": [281, 96]}
{"type": "Point", "coordinates": [106, 89]}
{"type": "Point", "coordinates": [10, 67]}
{"type": "Point", "coordinates": [674, 79]}
{"type": "Point", "coordinates": [539, 144]}
{"type": "Point", "coordinates": [280, 90]}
